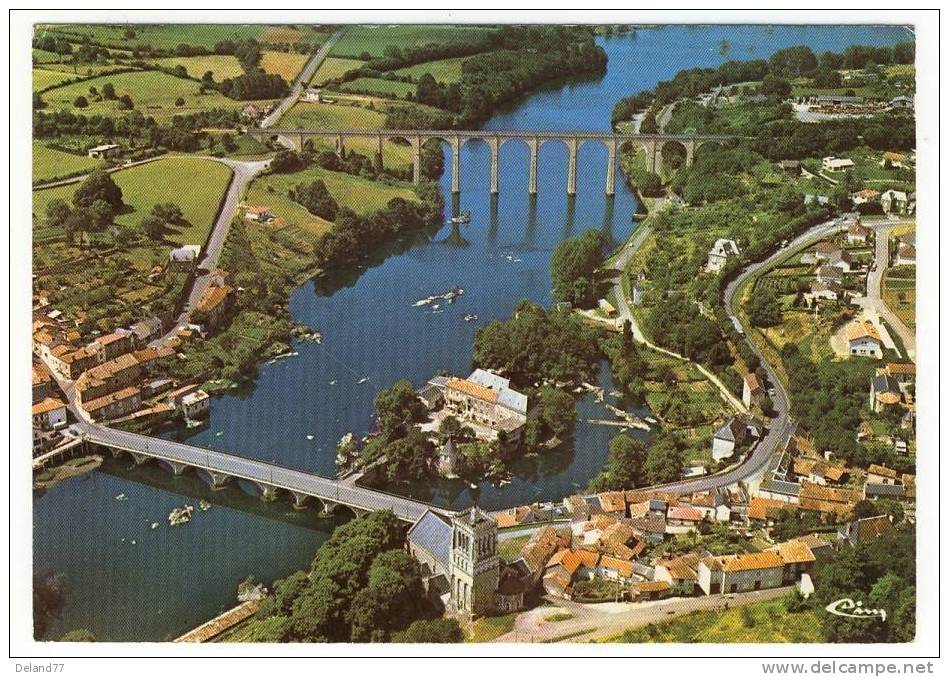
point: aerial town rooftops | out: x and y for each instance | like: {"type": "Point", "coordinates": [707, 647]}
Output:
{"type": "Point", "coordinates": [794, 552]}
{"type": "Point", "coordinates": [212, 297]}
{"type": "Point", "coordinates": [474, 389]}
{"type": "Point", "coordinates": [111, 398]}
{"type": "Point", "coordinates": [685, 514]}
{"type": "Point", "coordinates": [882, 471]}
{"type": "Point", "coordinates": [622, 567]}
{"type": "Point", "coordinates": [760, 508]}
{"type": "Point", "coordinates": [900, 369]}
{"type": "Point", "coordinates": [682, 568]}
{"type": "Point", "coordinates": [613, 501]}
{"type": "Point", "coordinates": [47, 405]}
{"type": "Point", "coordinates": [753, 560]}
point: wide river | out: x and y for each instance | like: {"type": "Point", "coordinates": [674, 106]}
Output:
{"type": "Point", "coordinates": [125, 580]}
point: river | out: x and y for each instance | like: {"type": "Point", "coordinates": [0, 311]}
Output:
{"type": "Point", "coordinates": [126, 581]}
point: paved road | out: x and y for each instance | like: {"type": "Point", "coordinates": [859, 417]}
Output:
{"type": "Point", "coordinates": [244, 173]}
{"type": "Point", "coordinates": [874, 287]}
{"type": "Point", "coordinates": [305, 76]}
{"type": "Point", "coordinates": [607, 620]}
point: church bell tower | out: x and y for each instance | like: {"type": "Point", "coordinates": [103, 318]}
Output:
{"type": "Point", "coordinates": [474, 563]}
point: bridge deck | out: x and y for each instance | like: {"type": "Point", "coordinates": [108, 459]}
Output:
{"type": "Point", "coordinates": [260, 472]}
{"type": "Point", "coordinates": [489, 134]}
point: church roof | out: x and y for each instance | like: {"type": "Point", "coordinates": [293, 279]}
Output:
{"type": "Point", "coordinates": [432, 533]}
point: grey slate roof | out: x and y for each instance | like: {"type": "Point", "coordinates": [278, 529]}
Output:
{"type": "Point", "coordinates": [432, 533]}
{"type": "Point", "coordinates": [884, 490]}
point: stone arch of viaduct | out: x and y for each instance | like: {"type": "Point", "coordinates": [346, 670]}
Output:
{"type": "Point", "coordinates": [652, 144]}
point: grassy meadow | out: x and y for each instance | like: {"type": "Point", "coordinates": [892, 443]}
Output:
{"type": "Point", "coordinates": [50, 163]}
{"type": "Point", "coordinates": [444, 71]}
{"type": "Point", "coordinates": [372, 40]}
{"type": "Point", "coordinates": [334, 67]}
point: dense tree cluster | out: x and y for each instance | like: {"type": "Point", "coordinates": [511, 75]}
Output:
{"type": "Point", "coordinates": [353, 235]}
{"type": "Point", "coordinates": [626, 364]}
{"type": "Point", "coordinates": [361, 587]}
{"type": "Point", "coordinates": [536, 346]}
{"type": "Point", "coordinates": [316, 199]}
{"type": "Point", "coordinates": [630, 463]}
{"type": "Point", "coordinates": [574, 266]}
{"type": "Point", "coordinates": [764, 308]}
{"type": "Point", "coordinates": [407, 452]}
{"type": "Point", "coordinates": [255, 85]}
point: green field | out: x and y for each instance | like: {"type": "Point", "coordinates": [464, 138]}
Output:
{"type": "Point", "coordinates": [444, 71]}
{"type": "Point", "coordinates": [491, 627]}
{"type": "Point", "coordinates": [222, 65]}
{"type": "Point", "coordinates": [43, 78]}
{"type": "Point", "coordinates": [361, 195]}
{"type": "Point", "coordinates": [373, 40]}
{"type": "Point", "coordinates": [899, 293]}
{"type": "Point", "coordinates": [390, 88]}
{"type": "Point", "coordinates": [197, 185]}
{"type": "Point", "coordinates": [158, 36]}
{"type": "Point", "coordinates": [42, 56]}
{"type": "Point", "coordinates": [332, 68]}
{"type": "Point", "coordinates": [50, 163]}
{"type": "Point", "coordinates": [762, 623]}
{"type": "Point", "coordinates": [153, 93]}
{"type": "Point", "coordinates": [307, 115]}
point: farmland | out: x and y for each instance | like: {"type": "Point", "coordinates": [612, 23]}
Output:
{"type": "Point", "coordinates": [43, 78]}
{"type": "Point", "coordinates": [334, 67]}
{"type": "Point", "coordinates": [372, 40]}
{"type": "Point", "coordinates": [388, 88]}
{"type": "Point", "coordinates": [899, 293]}
{"type": "Point", "coordinates": [222, 65]}
{"type": "Point", "coordinates": [198, 187]}
{"type": "Point", "coordinates": [285, 64]}
{"type": "Point", "coordinates": [444, 71]}
{"type": "Point", "coordinates": [157, 36]}
{"type": "Point", "coordinates": [50, 163]}
{"type": "Point", "coordinates": [152, 92]}
{"type": "Point", "coordinates": [360, 195]}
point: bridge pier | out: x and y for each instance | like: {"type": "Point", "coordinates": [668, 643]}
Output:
{"type": "Point", "coordinates": [416, 159]}
{"type": "Point", "coordinates": [360, 512]}
{"type": "Point", "coordinates": [572, 145]}
{"type": "Point", "coordinates": [177, 469]}
{"type": "Point", "coordinates": [299, 500]}
{"type": "Point", "coordinates": [532, 177]}
{"type": "Point", "coordinates": [378, 158]}
{"type": "Point", "coordinates": [651, 149]}
{"type": "Point", "coordinates": [267, 492]}
{"type": "Point", "coordinates": [689, 153]}
{"type": "Point", "coordinates": [456, 166]}
{"type": "Point", "coordinates": [611, 167]}
{"type": "Point", "coordinates": [138, 458]}
{"type": "Point", "coordinates": [300, 141]}
{"type": "Point", "coordinates": [218, 479]}
{"type": "Point", "coordinates": [495, 145]}
{"type": "Point", "coordinates": [329, 507]}
{"type": "Point", "coordinates": [340, 147]}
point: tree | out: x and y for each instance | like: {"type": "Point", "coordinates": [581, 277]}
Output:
{"type": "Point", "coordinates": [316, 198]}
{"type": "Point", "coordinates": [38, 103]}
{"type": "Point", "coordinates": [409, 457]}
{"type": "Point", "coordinates": [390, 601]}
{"type": "Point", "coordinates": [153, 226]}
{"type": "Point", "coordinates": [48, 601]}
{"type": "Point", "coordinates": [57, 211]}
{"type": "Point", "coordinates": [397, 408]}
{"type": "Point", "coordinates": [125, 102]}
{"type": "Point", "coordinates": [169, 212]}
{"type": "Point", "coordinates": [775, 86]}
{"type": "Point", "coordinates": [98, 186]}
{"type": "Point", "coordinates": [286, 161]}
{"type": "Point", "coordinates": [555, 410]}
{"type": "Point", "coordinates": [108, 91]}
{"type": "Point", "coordinates": [179, 102]}
{"type": "Point", "coordinates": [79, 635]}
{"type": "Point", "coordinates": [574, 265]}
{"type": "Point", "coordinates": [80, 101]}
{"type": "Point", "coordinates": [793, 61]}
{"type": "Point", "coordinates": [625, 465]}
{"type": "Point", "coordinates": [650, 185]}
{"type": "Point", "coordinates": [763, 308]}
{"type": "Point", "coordinates": [663, 460]}
{"type": "Point", "coordinates": [102, 214]}
{"type": "Point", "coordinates": [435, 631]}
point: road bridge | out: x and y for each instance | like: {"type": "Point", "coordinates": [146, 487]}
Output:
{"type": "Point", "coordinates": [653, 145]}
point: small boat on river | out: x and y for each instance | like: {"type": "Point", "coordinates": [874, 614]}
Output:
{"type": "Point", "coordinates": [463, 217]}
{"type": "Point", "coordinates": [180, 516]}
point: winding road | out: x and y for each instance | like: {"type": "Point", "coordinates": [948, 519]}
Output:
{"type": "Point", "coordinates": [874, 297]}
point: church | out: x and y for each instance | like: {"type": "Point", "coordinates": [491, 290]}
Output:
{"type": "Point", "coordinates": [459, 559]}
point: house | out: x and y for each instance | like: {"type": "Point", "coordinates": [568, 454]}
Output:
{"type": "Point", "coordinates": [858, 234]}
{"type": "Point", "coordinates": [487, 401]}
{"type": "Point", "coordinates": [824, 249]}
{"type": "Point", "coordinates": [681, 573]}
{"type": "Point", "coordinates": [106, 151]}
{"type": "Point", "coordinates": [837, 100]}
{"type": "Point", "coordinates": [214, 304]}
{"type": "Point", "coordinates": [751, 391]}
{"type": "Point", "coordinates": [873, 491]}
{"type": "Point", "coordinates": [836, 502]}
{"type": "Point", "coordinates": [608, 308]}
{"type": "Point", "coordinates": [790, 166]}
{"type": "Point", "coordinates": [258, 213]}
{"type": "Point", "coordinates": [822, 549]}
{"type": "Point", "coordinates": [251, 112]}
{"type": "Point", "coordinates": [827, 291]}
{"type": "Point", "coordinates": [830, 274]}
{"type": "Point", "coordinates": [184, 259]}
{"type": "Point", "coordinates": [42, 382]}
{"type": "Point", "coordinates": [884, 392]}
{"type": "Point", "coordinates": [540, 548]}
{"type": "Point", "coordinates": [513, 584]}
{"type": "Point", "coordinates": [313, 94]}
{"type": "Point", "coordinates": [797, 557]}
{"type": "Point", "coordinates": [816, 199]}
{"type": "Point", "coordinates": [818, 471]}
{"type": "Point", "coordinates": [114, 405]}
{"type": "Point", "coordinates": [762, 511]}
{"type": "Point", "coordinates": [894, 202]}
{"type": "Point", "coordinates": [863, 339]}
{"type": "Point", "coordinates": [684, 516]}
{"type": "Point", "coordinates": [731, 435]}
{"type": "Point", "coordinates": [835, 164]}
{"type": "Point", "coordinates": [108, 377]}
{"type": "Point", "coordinates": [147, 331]}
{"type": "Point", "coordinates": [905, 254]}
{"type": "Point", "coordinates": [880, 474]}
{"type": "Point", "coordinates": [903, 373]}
{"type": "Point", "coordinates": [719, 253]}
{"type": "Point", "coordinates": [864, 196]}
{"type": "Point", "coordinates": [741, 573]}
{"type": "Point", "coordinates": [841, 259]}
{"type": "Point", "coordinates": [49, 414]}
{"type": "Point", "coordinates": [431, 393]}
{"type": "Point", "coordinates": [195, 405]}
{"type": "Point", "coordinates": [614, 569]}
{"type": "Point", "coordinates": [866, 530]}
{"type": "Point", "coordinates": [448, 463]}
{"type": "Point", "coordinates": [112, 345]}
{"type": "Point", "coordinates": [901, 102]}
